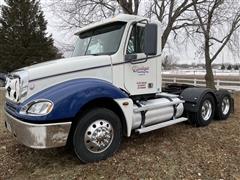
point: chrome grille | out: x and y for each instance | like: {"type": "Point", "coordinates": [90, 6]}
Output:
{"type": "Point", "coordinates": [16, 86]}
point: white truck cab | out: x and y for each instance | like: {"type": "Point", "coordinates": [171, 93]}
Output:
{"type": "Point", "coordinates": [109, 87]}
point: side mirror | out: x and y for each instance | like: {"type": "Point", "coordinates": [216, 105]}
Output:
{"type": "Point", "coordinates": [150, 39]}
{"type": "Point", "coordinates": [130, 57]}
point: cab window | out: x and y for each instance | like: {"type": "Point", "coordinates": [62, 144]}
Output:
{"type": "Point", "coordinates": [136, 40]}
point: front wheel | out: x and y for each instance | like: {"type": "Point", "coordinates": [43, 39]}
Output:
{"type": "Point", "coordinates": [97, 135]}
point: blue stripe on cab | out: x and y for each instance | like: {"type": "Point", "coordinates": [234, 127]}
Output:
{"type": "Point", "coordinates": [69, 97]}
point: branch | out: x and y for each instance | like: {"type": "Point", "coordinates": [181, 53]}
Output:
{"type": "Point", "coordinates": [234, 27]}
{"type": "Point", "coordinates": [185, 25]}
{"type": "Point", "coordinates": [199, 17]}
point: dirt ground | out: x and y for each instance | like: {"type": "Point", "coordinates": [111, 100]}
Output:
{"type": "Point", "coordinates": [177, 152]}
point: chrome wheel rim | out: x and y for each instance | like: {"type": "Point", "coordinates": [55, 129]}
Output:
{"type": "Point", "coordinates": [98, 136]}
{"type": "Point", "coordinates": [225, 105]}
{"type": "Point", "coordinates": [206, 110]}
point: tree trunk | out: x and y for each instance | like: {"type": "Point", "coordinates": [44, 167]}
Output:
{"type": "Point", "coordinates": [165, 35]}
{"type": "Point", "coordinates": [127, 6]}
{"type": "Point", "coordinates": [209, 77]}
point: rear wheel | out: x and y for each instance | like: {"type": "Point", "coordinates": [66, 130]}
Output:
{"type": "Point", "coordinates": [224, 107]}
{"type": "Point", "coordinates": [205, 113]}
{"type": "Point", "coordinates": [97, 136]}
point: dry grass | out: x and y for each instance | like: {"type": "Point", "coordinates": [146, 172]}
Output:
{"type": "Point", "coordinates": [177, 152]}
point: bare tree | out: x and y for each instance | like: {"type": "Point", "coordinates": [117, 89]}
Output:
{"type": "Point", "coordinates": [218, 21]}
{"type": "Point", "coordinates": [78, 13]}
{"type": "Point", "coordinates": [174, 14]}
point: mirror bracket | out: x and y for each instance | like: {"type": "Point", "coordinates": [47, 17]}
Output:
{"type": "Point", "coordinates": [130, 57]}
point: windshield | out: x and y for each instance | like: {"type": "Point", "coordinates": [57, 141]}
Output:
{"type": "Point", "coordinates": [104, 40]}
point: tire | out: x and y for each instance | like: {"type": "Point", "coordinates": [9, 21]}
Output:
{"type": "Point", "coordinates": [224, 108]}
{"type": "Point", "coordinates": [101, 125]}
{"type": "Point", "coordinates": [203, 117]}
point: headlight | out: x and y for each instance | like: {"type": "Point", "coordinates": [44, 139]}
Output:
{"type": "Point", "coordinates": [38, 108]}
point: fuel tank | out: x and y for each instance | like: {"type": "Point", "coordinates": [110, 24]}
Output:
{"type": "Point", "coordinates": [157, 115]}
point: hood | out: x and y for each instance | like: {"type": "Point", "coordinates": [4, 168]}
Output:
{"type": "Point", "coordinates": [64, 66]}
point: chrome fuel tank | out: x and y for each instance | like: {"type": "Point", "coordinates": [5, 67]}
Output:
{"type": "Point", "coordinates": [154, 116]}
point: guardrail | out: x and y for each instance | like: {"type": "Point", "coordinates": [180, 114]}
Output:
{"type": "Point", "coordinates": [220, 84]}
{"type": "Point", "coordinates": [196, 72]}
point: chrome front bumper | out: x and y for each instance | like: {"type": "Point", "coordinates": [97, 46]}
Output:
{"type": "Point", "coordinates": [38, 136]}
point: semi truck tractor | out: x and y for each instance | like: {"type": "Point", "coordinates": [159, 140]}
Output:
{"type": "Point", "coordinates": [110, 87]}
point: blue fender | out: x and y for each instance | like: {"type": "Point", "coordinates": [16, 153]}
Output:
{"type": "Point", "coordinates": [70, 96]}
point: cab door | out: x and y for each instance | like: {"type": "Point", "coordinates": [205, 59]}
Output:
{"type": "Point", "coordinates": [140, 74]}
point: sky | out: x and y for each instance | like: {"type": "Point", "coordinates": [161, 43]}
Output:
{"type": "Point", "coordinates": [185, 54]}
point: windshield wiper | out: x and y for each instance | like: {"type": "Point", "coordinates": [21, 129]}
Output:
{"type": "Point", "coordinates": [99, 54]}
{"type": "Point", "coordinates": [93, 54]}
